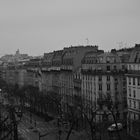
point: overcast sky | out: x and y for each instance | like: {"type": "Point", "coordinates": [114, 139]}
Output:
{"type": "Point", "coordinates": [38, 26]}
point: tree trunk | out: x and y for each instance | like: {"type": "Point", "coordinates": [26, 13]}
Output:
{"type": "Point", "coordinates": [70, 130]}
{"type": "Point", "coordinates": [91, 129]}
{"type": "Point", "coordinates": [115, 121]}
{"type": "Point", "coordinates": [15, 132]}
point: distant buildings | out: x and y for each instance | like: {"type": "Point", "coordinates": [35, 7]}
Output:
{"type": "Point", "coordinates": [71, 64]}
{"type": "Point", "coordinates": [85, 71]}
{"type": "Point", "coordinates": [14, 58]}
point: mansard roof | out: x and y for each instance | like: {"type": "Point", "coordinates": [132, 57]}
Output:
{"type": "Point", "coordinates": [135, 54]}
{"type": "Point", "coordinates": [108, 57]}
{"type": "Point", "coordinates": [48, 56]}
{"type": "Point", "coordinates": [74, 50]}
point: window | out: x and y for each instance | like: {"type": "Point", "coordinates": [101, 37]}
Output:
{"type": "Point", "coordinates": [133, 67]}
{"type": "Point", "coordinates": [134, 116]}
{"type": "Point", "coordinates": [134, 104]}
{"type": "Point", "coordinates": [130, 103]}
{"type": "Point", "coordinates": [108, 78]}
{"type": "Point", "coordinates": [116, 79]}
{"type": "Point", "coordinates": [139, 105]}
{"type": "Point", "coordinates": [134, 93]}
{"type": "Point", "coordinates": [115, 86]}
{"type": "Point", "coordinates": [100, 78]}
{"type": "Point", "coordinates": [133, 81]}
{"type": "Point", "coordinates": [108, 68]}
{"type": "Point", "coordinates": [138, 81]}
{"type": "Point", "coordinates": [108, 87]}
{"type": "Point", "coordinates": [129, 92]}
{"type": "Point", "coordinates": [129, 80]}
{"type": "Point", "coordinates": [115, 67]}
{"type": "Point", "coordinates": [108, 60]}
{"type": "Point", "coordinates": [124, 84]}
{"type": "Point", "coordinates": [129, 67]}
{"type": "Point", "coordinates": [123, 67]}
{"type": "Point", "coordinates": [100, 87]}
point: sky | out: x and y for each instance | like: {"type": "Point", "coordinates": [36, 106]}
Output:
{"type": "Point", "coordinates": [38, 26]}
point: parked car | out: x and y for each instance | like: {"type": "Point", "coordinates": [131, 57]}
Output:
{"type": "Point", "coordinates": [113, 127]}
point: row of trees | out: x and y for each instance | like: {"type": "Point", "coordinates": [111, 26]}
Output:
{"type": "Point", "coordinates": [89, 112]}
{"type": "Point", "coordinates": [51, 103]}
{"type": "Point", "coordinates": [8, 121]}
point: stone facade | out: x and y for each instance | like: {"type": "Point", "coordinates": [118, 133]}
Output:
{"type": "Point", "coordinates": [103, 75]}
{"type": "Point", "coordinates": [133, 93]}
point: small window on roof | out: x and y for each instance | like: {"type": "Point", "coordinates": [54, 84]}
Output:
{"type": "Point", "coordinates": [108, 60]}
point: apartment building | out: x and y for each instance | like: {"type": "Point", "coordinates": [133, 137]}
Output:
{"type": "Point", "coordinates": [102, 75]}
{"type": "Point", "coordinates": [133, 93]}
{"type": "Point", "coordinates": [32, 69]}
{"type": "Point", "coordinates": [71, 63]}
{"type": "Point", "coordinates": [47, 76]}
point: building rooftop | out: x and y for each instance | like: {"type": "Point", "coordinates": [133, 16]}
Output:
{"type": "Point", "coordinates": [135, 54]}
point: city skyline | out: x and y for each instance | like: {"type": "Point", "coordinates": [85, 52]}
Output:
{"type": "Point", "coordinates": [36, 27]}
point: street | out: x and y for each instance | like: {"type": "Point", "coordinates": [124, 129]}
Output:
{"type": "Point", "coordinates": [29, 131]}
{"type": "Point", "coordinates": [31, 126]}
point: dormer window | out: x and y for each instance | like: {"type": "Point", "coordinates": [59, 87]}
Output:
{"type": "Point", "coordinates": [101, 59]}
{"type": "Point", "coordinates": [108, 60]}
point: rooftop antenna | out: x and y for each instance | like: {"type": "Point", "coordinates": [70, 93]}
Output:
{"type": "Point", "coordinates": [87, 41]}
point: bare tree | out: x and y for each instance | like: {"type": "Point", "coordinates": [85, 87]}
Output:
{"type": "Point", "coordinates": [73, 118]}
{"type": "Point", "coordinates": [88, 111]}
{"type": "Point", "coordinates": [111, 108]}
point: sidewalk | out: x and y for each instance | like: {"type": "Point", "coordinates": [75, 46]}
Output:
{"type": "Point", "coordinates": [51, 127]}
{"type": "Point", "coordinates": [38, 120]}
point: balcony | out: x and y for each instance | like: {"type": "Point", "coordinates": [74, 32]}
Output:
{"type": "Point", "coordinates": [134, 72]}
{"type": "Point", "coordinates": [54, 69]}
{"type": "Point", "coordinates": [30, 69]}
{"type": "Point", "coordinates": [102, 72]}
{"type": "Point", "coordinates": [44, 69]}
{"type": "Point", "coordinates": [66, 67]}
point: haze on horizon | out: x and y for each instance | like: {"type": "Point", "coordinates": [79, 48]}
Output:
{"type": "Point", "coordinates": [38, 26]}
